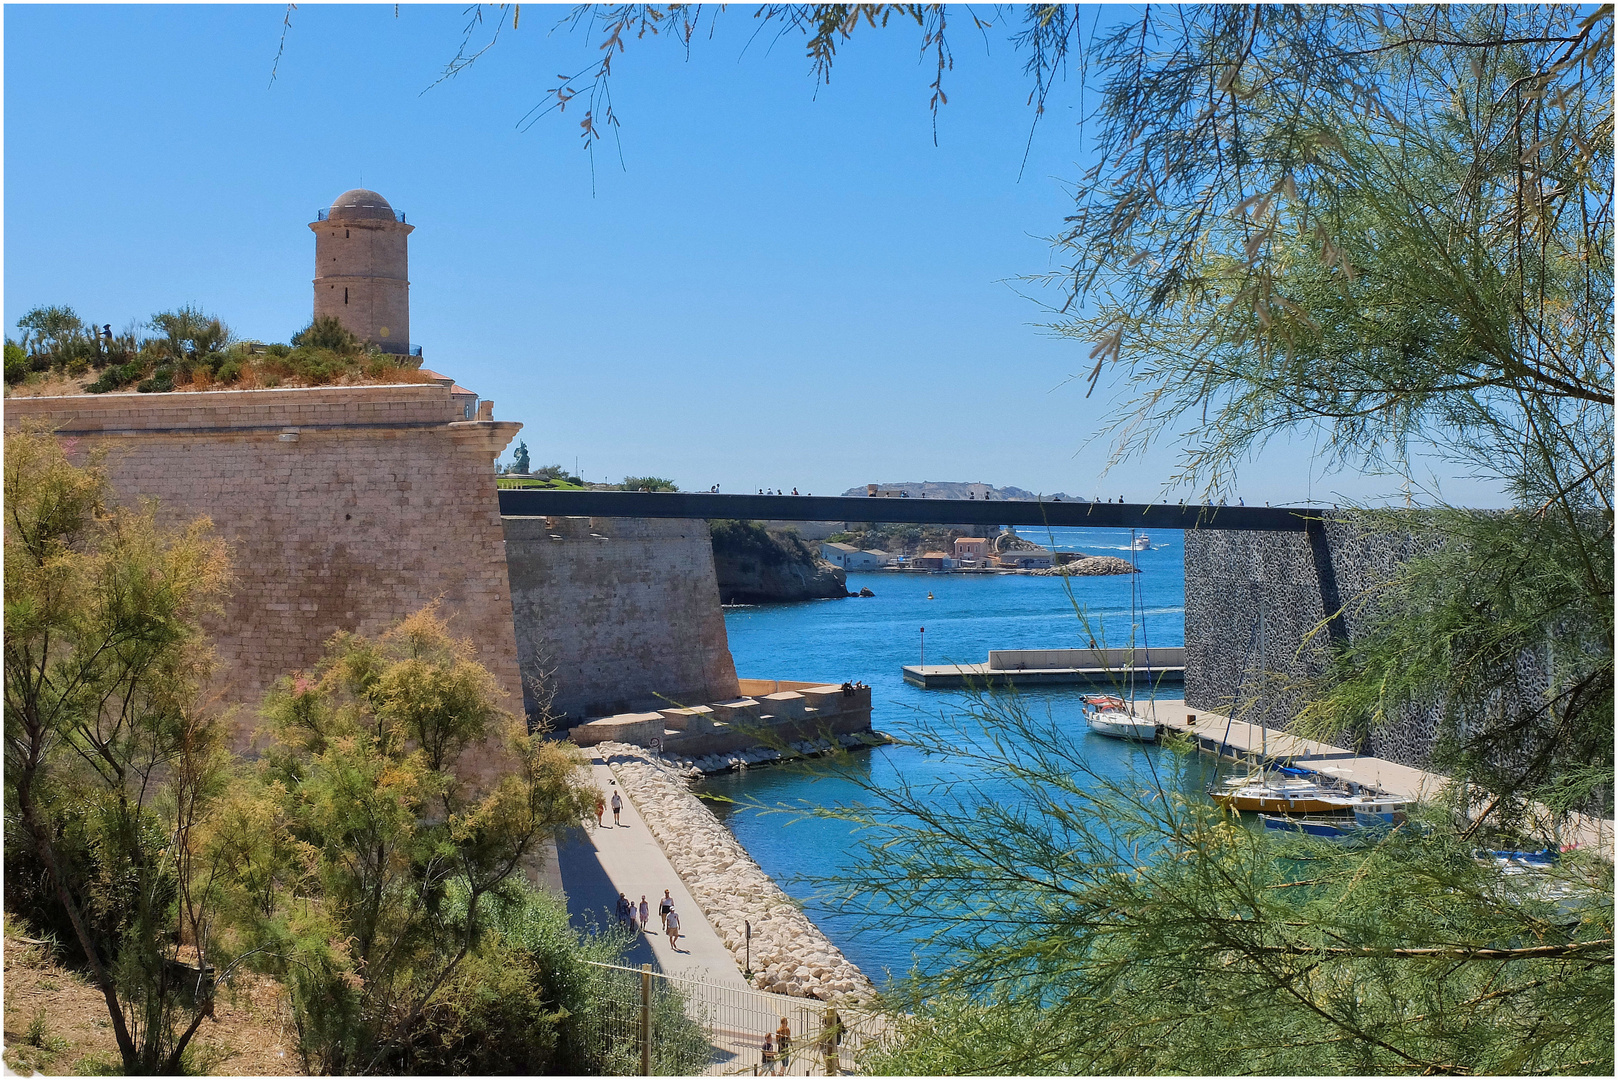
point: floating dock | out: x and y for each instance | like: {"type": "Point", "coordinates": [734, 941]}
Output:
{"type": "Point", "coordinates": [1111, 668]}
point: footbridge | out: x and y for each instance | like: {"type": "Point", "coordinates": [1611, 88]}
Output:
{"type": "Point", "coordinates": [545, 502]}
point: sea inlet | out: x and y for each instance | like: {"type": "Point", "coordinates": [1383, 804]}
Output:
{"type": "Point", "coordinates": [870, 640]}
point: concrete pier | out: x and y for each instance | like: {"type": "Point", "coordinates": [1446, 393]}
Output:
{"type": "Point", "coordinates": [1101, 668]}
{"type": "Point", "coordinates": [1231, 738]}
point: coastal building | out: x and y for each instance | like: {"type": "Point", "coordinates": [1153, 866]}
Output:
{"type": "Point", "coordinates": [933, 560]}
{"type": "Point", "coordinates": [970, 549]}
{"type": "Point", "coordinates": [362, 269]}
{"type": "Point", "coordinates": [850, 557]}
{"type": "Point", "coordinates": [1027, 559]}
{"type": "Point", "coordinates": [466, 401]}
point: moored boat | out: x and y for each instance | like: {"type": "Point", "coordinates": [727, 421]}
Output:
{"type": "Point", "coordinates": [1380, 810]}
{"type": "Point", "coordinates": [1282, 795]}
{"type": "Point", "coordinates": [1332, 828]}
{"type": "Point", "coordinates": [1111, 716]}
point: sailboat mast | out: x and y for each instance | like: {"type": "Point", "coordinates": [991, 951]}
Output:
{"type": "Point", "coordinates": [1263, 670]}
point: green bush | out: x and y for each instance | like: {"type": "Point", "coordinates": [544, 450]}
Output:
{"type": "Point", "coordinates": [16, 362]}
{"type": "Point", "coordinates": [327, 333]}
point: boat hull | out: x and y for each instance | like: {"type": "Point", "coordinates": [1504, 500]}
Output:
{"type": "Point", "coordinates": [1271, 804]}
{"type": "Point", "coordinates": [1123, 728]}
{"type": "Point", "coordinates": [1333, 829]}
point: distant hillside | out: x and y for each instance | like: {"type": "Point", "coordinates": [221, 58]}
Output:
{"type": "Point", "coordinates": [939, 489]}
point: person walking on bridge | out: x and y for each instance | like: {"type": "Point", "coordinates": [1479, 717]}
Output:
{"type": "Point", "coordinates": [617, 805]}
{"type": "Point", "coordinates": [664, 906]}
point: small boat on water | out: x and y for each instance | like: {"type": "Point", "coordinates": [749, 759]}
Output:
{"type": "Point", "coordinates": [1110, 715]}
{"type": "Point", "coordinates": [1336, 827]}
{"type": "Point", "coordinates": [1380, 810]}
{"type": "Point", "coordinates": [1266, 793]}
{"type": "Point", "coordinates": [1141, 543]}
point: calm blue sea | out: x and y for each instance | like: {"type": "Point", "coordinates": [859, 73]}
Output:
{"type": "Point", "coordinates": [871, 639]}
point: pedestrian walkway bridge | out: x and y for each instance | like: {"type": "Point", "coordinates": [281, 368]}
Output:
{"type": "Point", "coordinates": [546, 502]}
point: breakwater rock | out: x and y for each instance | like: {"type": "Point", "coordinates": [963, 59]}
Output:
{"type": "Point", "coordinates": [1090, 566]}
{"type": "Point", "coordinates": [790, 955]}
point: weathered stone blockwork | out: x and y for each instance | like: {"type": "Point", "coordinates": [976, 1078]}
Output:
{"type": "Point", "coordinates": [1296, 580]}
{"type": "Point", "coordinates": [346, 508]}
{"type": "Point", "coordinates": [623, 611]}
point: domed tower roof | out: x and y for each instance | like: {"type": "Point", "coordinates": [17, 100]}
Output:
{"type": "Point", "coordinates": [361, 204]}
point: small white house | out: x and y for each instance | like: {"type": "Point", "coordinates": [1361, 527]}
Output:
{"type": "Point", "coordinates": [850, 557]}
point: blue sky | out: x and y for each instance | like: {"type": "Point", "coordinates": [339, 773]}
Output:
{"type": "Point", "coordinates": [781, 285]}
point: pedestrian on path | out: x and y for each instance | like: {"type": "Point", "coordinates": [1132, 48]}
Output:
{"type": "Point", "coordinates": [769, 1053]}
{"type": "Point", "coordinates": [625, 911]}
{"type": "Point", "coordinates": [601, 808]}
{"type": "Point", "coordinates": [645, 913]}
{"type": "Point", "coordinates": [617, 805]}
{"type": "Point", "coordinates": [783, 1044]}
{"type": "Point", "coordinates": [671, 923]}
{"type": "Point", "coordinates": [664, 906]}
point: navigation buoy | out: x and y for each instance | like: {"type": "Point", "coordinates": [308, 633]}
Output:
{"type": "Point", "coordinates": [929, 596]}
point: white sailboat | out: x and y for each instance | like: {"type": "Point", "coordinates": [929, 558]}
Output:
{"type": "Point", "coordinates": [1109, 714]}
{"type": "Point", "coordinates": [1112, 716]}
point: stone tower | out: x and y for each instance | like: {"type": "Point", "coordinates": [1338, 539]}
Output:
{"type": "Point", "coordinates": [362, 276]}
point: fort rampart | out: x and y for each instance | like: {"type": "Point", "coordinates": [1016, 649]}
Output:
{"type": "Point", "coordinates": [622, 614]}
{"type": "Point", "coordinates": [346, 508]}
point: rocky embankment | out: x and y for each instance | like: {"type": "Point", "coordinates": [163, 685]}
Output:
{"type": "Point", "coordinates": [1090, 566]}
{"type": "Point", "coordinates": [756, 566]}
{"type": "Point", "coordinates": [790, 955]}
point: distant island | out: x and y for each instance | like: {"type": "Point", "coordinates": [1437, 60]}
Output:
{"type": "Point", "coordinates": [942, 489]}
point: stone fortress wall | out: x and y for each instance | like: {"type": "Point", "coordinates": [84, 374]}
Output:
{"type": "Point", "coordinates": [346, 508]}
{"type": "Point", "coordinates": [622, 613]}
{"type": "Point", "coordinates": [1296, 580]}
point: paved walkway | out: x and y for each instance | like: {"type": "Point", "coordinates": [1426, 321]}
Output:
{"type": "Point", "coordinates": [598, 863]}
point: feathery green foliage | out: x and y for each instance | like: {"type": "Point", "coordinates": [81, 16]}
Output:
{"type": "Point", "coordinates": [1100, 924]}
{"type": "Point", "coordinates": [111, 762]}
{"type": "Point", "coordinates": [371, 853]}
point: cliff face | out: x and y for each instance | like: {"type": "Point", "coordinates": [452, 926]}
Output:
{"type": "Point", "coordinates": [755, 566]}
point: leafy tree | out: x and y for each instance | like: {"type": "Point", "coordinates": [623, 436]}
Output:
{"type": "Point", "coordinates": [648, 483]}
{"type": "Point", "coordinates": [378, 853]}
{"type": "Point", "coordinates": [1392, 225]}
{"type": "Point", "coordinates": [48, 329]}
{"type": "Point", "coordinates": [111, 764]}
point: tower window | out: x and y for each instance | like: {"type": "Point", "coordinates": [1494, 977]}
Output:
{"type": "Point", "coordinates": [345, 234]}
{"type": "Point", "coordinates": [345, 296]}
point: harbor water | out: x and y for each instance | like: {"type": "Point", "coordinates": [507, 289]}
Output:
{"type": "Point", "coordinates": [871, 639]}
